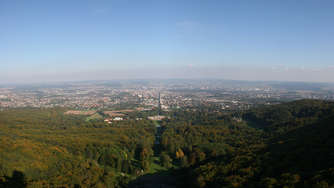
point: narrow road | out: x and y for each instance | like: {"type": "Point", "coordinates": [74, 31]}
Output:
{"type": "Point", "coordinates": [157, 141]}
{"type": "Point", "coordinates": [160, 179]}
{"type": "Point", "coordinates": [158, 133]}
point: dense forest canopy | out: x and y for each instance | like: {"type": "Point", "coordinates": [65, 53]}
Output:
{"type": "Point", "coordinates": [285, 145]}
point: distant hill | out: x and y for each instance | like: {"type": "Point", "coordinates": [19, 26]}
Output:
{"type": "Point", "coordinates": [288, 116]}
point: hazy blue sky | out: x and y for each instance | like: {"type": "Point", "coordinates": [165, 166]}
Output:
{"type": "Point", "coordinates": [50, 40]}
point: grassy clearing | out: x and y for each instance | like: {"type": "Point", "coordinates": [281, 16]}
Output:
{"type": "Point", "coordinates": [94, 117]}
{"type": "Point", "coordinates": [155, 166]}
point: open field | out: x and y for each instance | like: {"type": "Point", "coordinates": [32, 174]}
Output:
{"type": "Point", "coordinates": [78, 112]}
{"type": "Point", "coordinates": [94, 117]}
{"type": "Point", "coordinates": [113, 113]}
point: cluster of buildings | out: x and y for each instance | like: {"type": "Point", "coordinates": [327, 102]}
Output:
{"type": "Point", "coordinates": [146, 95]}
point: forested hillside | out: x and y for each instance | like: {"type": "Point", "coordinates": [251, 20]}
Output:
{"type": "Point", "coordinates": [297, 150]}
{"type": "Point", "coordinates": [285, 145]}
{"type": "Point", "coordinates": [50, 149]}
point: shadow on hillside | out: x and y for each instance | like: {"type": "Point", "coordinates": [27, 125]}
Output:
{"type": "Point", "coordinates": [163, 179]}
{"type": "Point", "coordinates": [16, 181]}
{"type": "Point", "coordinates": [308, 149]}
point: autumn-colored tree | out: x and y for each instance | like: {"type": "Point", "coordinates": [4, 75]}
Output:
{"type": "Point", "coordinates": [179, 154]}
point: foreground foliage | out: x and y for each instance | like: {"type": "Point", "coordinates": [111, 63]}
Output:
{"type": "Point", "coordinates": [285, 145]}
{"type": "Point", "coordinates": [297, 150]}
{"type": "Point", "coordinates": [51, 149]}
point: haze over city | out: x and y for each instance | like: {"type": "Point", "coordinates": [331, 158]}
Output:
{"type": "Point", "coordinates": [42, 41]}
